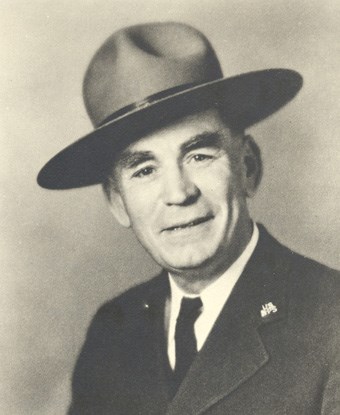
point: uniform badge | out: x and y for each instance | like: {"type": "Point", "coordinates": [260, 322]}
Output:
{"type": "Point", "coordinates": [268, 309]}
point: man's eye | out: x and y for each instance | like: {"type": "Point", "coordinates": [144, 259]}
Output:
{"type": "Point", "coordinates": [201, 157]}
{"type": "Point", "coordinates": [146, 171]}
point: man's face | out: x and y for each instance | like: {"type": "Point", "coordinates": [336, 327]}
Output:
{"type": "Point", "coordinates": [183, 191]}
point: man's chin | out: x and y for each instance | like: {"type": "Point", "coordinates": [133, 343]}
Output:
{"type": "Point", "coordinates": [188, 262]}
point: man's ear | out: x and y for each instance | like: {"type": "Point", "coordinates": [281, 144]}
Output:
{"type": "Point", "coordinates": [253, 166]}
{"type": "Point", "coordinates": [118, 208]}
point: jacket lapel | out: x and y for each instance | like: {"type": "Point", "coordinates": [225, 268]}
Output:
{"type": "Point", "coordinates": [234, 350]}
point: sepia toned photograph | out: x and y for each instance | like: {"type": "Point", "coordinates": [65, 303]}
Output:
{"type": "Point", "coordinates": [170, 222]}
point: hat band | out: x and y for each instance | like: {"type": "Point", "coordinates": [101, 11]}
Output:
{"type": "Point", "coordinates": [147, 101]}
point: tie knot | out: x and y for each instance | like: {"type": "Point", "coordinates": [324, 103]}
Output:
{"type": "Point", "coordinates": [190, 308]}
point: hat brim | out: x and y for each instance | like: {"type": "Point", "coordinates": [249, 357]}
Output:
{"type": "Point", "coordinates": [246, 99]}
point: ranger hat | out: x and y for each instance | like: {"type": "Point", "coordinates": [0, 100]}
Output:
{"type": "Point", "coordinates": [142, 77]}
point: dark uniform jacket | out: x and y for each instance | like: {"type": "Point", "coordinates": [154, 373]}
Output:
{"type": "Point", "coordinates": [284, 360]}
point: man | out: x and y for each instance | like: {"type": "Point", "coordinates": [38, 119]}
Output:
{"type": "Point", "coordinates": [236, 323]}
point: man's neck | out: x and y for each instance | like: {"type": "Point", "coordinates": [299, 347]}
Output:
{"type": "Point", "coordinates": [194, 281]}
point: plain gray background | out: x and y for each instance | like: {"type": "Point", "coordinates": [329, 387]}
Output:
{"type": "Point", "coordinates": [61, 252]}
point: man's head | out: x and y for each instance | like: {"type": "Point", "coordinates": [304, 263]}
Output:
{"type": "Point", "coordinates": [179, 171]}
{"type": "Point", "coordinates": [174, 166]}
{"type": "Point", "coordinates": [183, 189]}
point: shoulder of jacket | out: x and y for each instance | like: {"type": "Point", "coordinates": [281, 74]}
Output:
{"type": "Point", "coordinates": [301, 272]}
{"type": "Point", "coordinates": [132, 299]}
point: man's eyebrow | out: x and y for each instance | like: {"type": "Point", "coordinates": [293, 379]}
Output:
{"type": "Point", "coordinates": [205, 139]}
{"type": "Point", "coordinates": [131, 159]}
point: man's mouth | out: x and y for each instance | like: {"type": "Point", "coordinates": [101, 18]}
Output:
{"type": "Point", "coordinates": [190, 224]}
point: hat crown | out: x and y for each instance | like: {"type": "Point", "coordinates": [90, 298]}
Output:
{"type": "Point", "coordinates": [143, 60]}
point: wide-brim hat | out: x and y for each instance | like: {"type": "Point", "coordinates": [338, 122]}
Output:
{"type": "Point", "coordinates": [143, 77]}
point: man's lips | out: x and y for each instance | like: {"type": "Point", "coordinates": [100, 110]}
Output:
{"type": "Point", "coordinates": [194, 222]}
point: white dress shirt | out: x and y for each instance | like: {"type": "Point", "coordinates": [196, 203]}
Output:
{"type": "Point", "coordinates": [213, 298]}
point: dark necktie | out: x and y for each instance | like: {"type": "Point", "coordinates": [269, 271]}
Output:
{"type": "Point", "coordinates": [185, 339]}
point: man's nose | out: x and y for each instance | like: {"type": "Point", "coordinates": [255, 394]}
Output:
{"type": "Point", "coordinates": [179, 188]}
